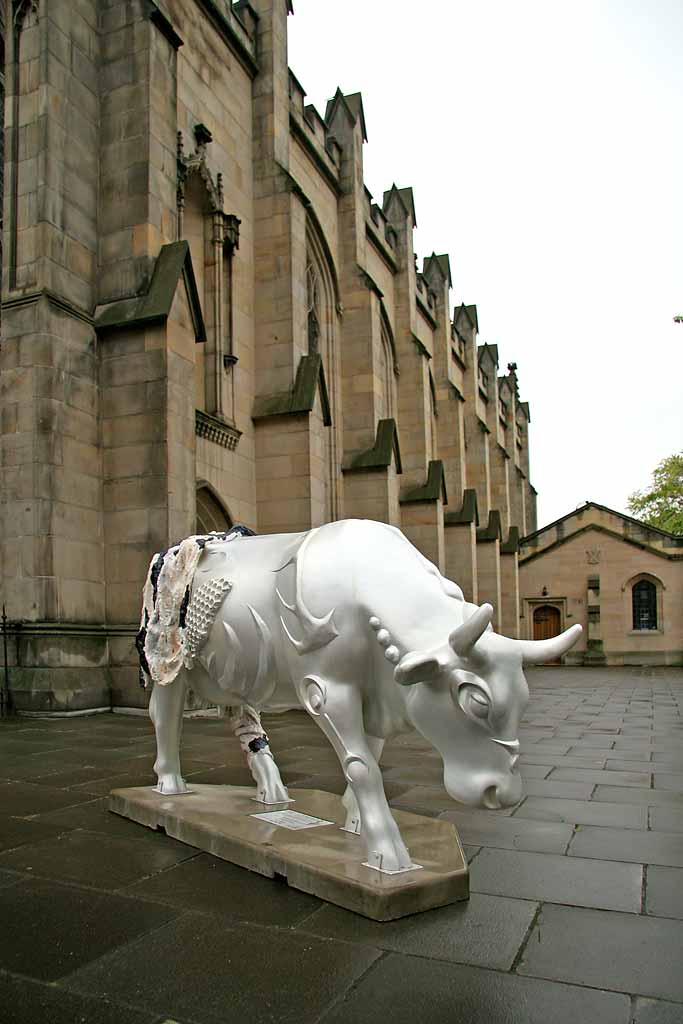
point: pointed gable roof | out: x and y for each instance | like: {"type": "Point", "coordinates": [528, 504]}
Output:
{"type": "Point", "coordinates": [488, 350]}
{"type": "Point", "coordinates": [352, 108]}
{"type": "Point", "coordinates": [355, 103]}
{"type": "Point", "coordinates": [173, 262]}
{"type": "Point", "coordinates": [463, 312]}
{"type": "Point", "coordinates": [438, 265]}
{"type": "Point", "coordinates": [403, 196]}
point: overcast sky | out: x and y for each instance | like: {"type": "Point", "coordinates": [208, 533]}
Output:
{"type": "Point", "coordinates": [544, 144]}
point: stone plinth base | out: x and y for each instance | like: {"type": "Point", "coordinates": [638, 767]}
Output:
{"type": "Point", "coordinates": [321, 859]}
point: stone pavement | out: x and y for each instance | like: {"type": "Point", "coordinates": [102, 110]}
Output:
{"type": "Point", "coordinates": [576, 912]}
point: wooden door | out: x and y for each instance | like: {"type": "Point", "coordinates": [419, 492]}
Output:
{"type": "Point", "coordinates": [546, 625]}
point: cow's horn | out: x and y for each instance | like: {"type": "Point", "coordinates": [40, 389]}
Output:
{"type": "Point", "coordinates": [463, 639]}
{"type": "Point", "coordinates": [535, 652]}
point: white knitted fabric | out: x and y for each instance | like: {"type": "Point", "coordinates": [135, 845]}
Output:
{"type": "Point", "coordinates": [164, 639]}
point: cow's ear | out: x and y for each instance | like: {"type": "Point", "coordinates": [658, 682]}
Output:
{"type": "Point", "coordinates": [417, 667]}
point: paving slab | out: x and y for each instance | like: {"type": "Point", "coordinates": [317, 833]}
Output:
{"type": "Point", "coordinates": [603, 778]}
{"type": "Point", "coordinates": [666, 819]}
{"type": "Point", "coordinates": [15, 832]}
{"type": "Point", "coordinates": [64, 778]}
{"type": "Point", "coordinates": [665, 780]}
{"type": "Point", "coordinates": [548, 746]}
{"type": "Point", "coordinates": [558, 879]}
{"type": "Point", "coordinates": [83, 858]}
{"type": "Point", "coordinates": [559, 761]}
{"type": "Point", "coordinates": [199, 968]}
{"type": "Point", "coordinates": [617, 765]}
{"type": "Point", "coordinates": [638, 795]}
{"type": "Point", "coordinates": [668, 757]}
{"type": "Point", "coordinates": [583, 812]}
{"type": "Point", "coordinates": [212, 886]}
{"type": "Point", "coordinates": [486, 931]}
{"type": "Point", "coordinates": [656, 1011]}
{"type": "Point", "coordinates": [622, 952]}
{"type": "Point", "coordinates": [25, 1001]}
{"type": "Point", "coordinates": [593, 739]}
{"type": "Point", "coordinates": [510, 833]}
{"type": "Point", "coordinates": [535, 771]}
{"type": "Point", "coordinates": [405, 989]}
{"type": "Point", "coordinates": [664, 891]}
{"type": "Point", "coordinates": [628, 845]}
{"type": "Point", "coordinates": [8, 878]}
{"type": "Point", "coordinates": [49, 930]}
{"type": "Point", "coordinates": [320, 858]}
{"type": "Point", "coordinates": [22, 799]}
{"type": "Point", "coordinates": [568, 790]}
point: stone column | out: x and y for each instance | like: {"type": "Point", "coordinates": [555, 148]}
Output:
{"type": "Point", "coordinates": [595, 654]}
{"type": "Point", "coordinates": [422, 516]}
{"type": "Point", "coordinates": [51, 515]}
{"type": "Point", "coordinates": [461, 546]}
{"type": "Point", "coordinates": [488, 567]}
{"type": "Point", "coordinates": [509, 583]}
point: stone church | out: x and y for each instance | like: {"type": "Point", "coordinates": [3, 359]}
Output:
{"type": "Point", "coordinates": [208, 319]}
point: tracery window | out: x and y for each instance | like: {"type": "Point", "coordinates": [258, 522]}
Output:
{"type": "Point", "coordinates": [387, 403]}
{"type": "Point", "coordinates": [213, 237]}
{"type": "Point", "coordinates": [644, 597]}
{"type": "Point", "coordinates": [313, 307]}
{"type": "Point", "coordinates": [322, 311]}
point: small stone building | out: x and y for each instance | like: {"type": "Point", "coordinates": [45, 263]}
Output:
{"type": "Point", "coordinates": [207, 319]}
{"type": "Point", "coordinates": [620, 579]}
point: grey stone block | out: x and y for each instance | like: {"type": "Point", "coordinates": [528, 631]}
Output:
{"type": "Point", "coordinates": [557, 879]}
{"type": "Point", "coordinates": [485, 931]}
{"type": "Point", "coordinates": [622, 952]}
{"type": "Point", "coordinates": [628, 845]}
{"type": "Point", "coordinates": [72, 914]}
{"type": "Point", "coordinates": [408, 989]}
{"type": "Point", "coordinates": [583, 812]}
{"type": "Point", "coordinates": [510, 833]}
{"type": "Point", "coordinates": [664, 891]}
{"type": "Point", "coordinates": [180, 957]}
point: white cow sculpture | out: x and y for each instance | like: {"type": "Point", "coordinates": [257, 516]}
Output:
{"type": "Point", "coordinates": [354, 622]}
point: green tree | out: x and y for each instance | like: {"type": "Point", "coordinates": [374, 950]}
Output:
{"type": "Point", "coordinates": [661, 504]}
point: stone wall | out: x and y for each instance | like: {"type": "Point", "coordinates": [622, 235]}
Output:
{"type": "Point", "coordinates": [199, 289]}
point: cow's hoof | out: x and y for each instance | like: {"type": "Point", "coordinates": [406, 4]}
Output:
{"type": "Point", "coordinates": [353, 819]}
{"type": "Point", "coordinates": [270, 788]}
{"type": "Point", "coordinates": [171, 785]}
{"type": "Point", "coordinates": [389, 854]}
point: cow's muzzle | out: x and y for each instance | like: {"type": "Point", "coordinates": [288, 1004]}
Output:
{"type": "Point", "coordinates": [504, 793]}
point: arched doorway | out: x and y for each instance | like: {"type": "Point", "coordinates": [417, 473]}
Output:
{"type": "Point", "coordinates": [547, 623]}
{"type": "Point", "coordinates": [211, 516]}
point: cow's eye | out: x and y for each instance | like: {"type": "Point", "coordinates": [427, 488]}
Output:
{"type": "Point", "coordinates": [474, 701]}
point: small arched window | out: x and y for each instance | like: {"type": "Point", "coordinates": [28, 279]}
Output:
{"type": "Point", "coordinates": [644, 596]}
{"type": "Point", "coordinates": [211, 516]}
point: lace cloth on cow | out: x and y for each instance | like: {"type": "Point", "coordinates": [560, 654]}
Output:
{"type": "Point", "coordinates": [165, 601]}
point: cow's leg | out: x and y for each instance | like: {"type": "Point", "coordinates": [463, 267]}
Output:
{"type": "Point", "coordinates": [246, 724]}
{"type": "Point", "coordinates": [353, 818]}
{"type": "Point", "coordinates": [166, 711]}
{"type": "Point", "coordinates": [336, 707]}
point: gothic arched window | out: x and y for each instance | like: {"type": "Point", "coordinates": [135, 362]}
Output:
{"type": "Point", "coordinates": [212, 517]}
{"type": "Point", "coordinates": [322, 305]}
{"type": "Point", "coordinates": [644, 597]}
{"type": "Point", "coordinates": [313, 307]}
{"type": "Point", "coordinates": [387, 403]}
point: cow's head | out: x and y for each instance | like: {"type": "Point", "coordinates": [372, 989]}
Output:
{"type": "Point", "coordinates": [468, 697]}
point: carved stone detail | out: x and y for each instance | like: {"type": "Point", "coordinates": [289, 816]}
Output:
{"type": "Point", "coordinates": [213, 429]}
